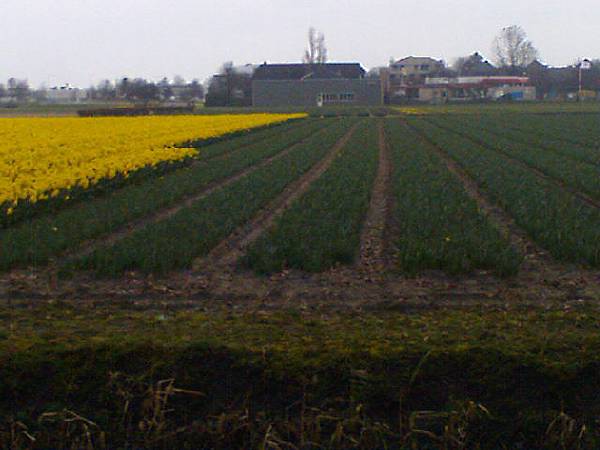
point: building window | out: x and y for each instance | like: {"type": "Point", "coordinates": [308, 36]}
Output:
{"type": "Point", "coordinates": [425, 67]}
{"type": "Point", "coordinates": [329, 98]}
{"type": "Point", "coordinates": [347, 97]}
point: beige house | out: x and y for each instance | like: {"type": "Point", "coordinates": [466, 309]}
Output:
{"type": "Point", "coordinates": [404, 75]}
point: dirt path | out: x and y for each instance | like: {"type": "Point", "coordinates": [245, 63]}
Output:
{"type": "Point", "coordinates": [165, 213]}
{"type": "Point", "coordinates": [234, 246]}
{"type": "Point", "coordinates": [535, 170]}
{"type": "Point", "coordinates": [374, 256]}
{"type": "Point", "coordinates": [536, 258]}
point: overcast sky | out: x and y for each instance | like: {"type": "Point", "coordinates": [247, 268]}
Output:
{"type": "Point", "coordinates": [83, 41]}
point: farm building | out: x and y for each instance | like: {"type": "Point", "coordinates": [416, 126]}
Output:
{"type": "Point", "coordinates": [439, 90]}
{"type": "Point", "coordinates": [66, 94]}
{"type": "Point", "coordinates": [309, 85]}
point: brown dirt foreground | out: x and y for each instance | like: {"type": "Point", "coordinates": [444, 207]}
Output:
{"type": "Point", "coordinates": [341, 289]}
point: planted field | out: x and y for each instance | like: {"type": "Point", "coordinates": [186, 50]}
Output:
{"type": "Point", "coordinates": [44, 157]}
{"type": "Point", "coordinates": [427, 216]}
{"type": "Point", "coordinates": [423, 281]}
{"type": "Point", "coordinates": [581, 175]}
{"type": "Point", "coordinates": [191, 232]}
{"type": "Point", "coordinates": [35, 241]}
{"type": "Point", "coordinates": [323, 227]}
{"type": "Point", "coordinates": [556, 218]}
{"type": "Point", "coordinates": [439, 225]}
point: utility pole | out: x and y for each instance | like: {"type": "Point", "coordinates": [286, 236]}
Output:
{"type": "Point", "coordinates": [585, 65]}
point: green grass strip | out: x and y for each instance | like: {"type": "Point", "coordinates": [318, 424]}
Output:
{"type": "Point", "coordinates": [526, 365]}
{"type": "Point", "coordinates": [175, 242]}
{"type": "Point", "coordinates": [440, 226]}
{"type": "Point", "coordinates": [555, 218]}
{"type": "Point", "coordinates": [36, 241]}
{"type": "Point", "coordinates": [323, 227]}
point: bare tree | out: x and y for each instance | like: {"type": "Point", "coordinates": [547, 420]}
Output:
{"type": "Point", "coordinates": [321, 49]}
{"type": "Point", "coordinates": [316, 53]}
{"type": "Point", "coordinates": [513, 49]}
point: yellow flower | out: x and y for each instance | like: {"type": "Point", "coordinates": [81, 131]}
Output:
{"type": "Point", "coordinates": [43, 157]}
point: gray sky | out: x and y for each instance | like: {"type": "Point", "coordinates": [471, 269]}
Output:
{"type": "Point", "coordinates": [84, 41]}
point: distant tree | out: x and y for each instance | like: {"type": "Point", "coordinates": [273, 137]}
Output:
{"type": "Point", "coordinates": [513, 49]}
{"type": "Point", "coordinates": [19, 89]}
{"type": "Point", "coordinates": [230, 87]}
{"type": "Point", "coordinates": [3, 91]}
{"type": "Point", "coordinates": [122, 88]}
{"type": "Point", "coordinates": [40, 95]}
{"type": "Point", "coordinates": [375, 72]}
{"type": "Point", "coordinates": [473, 65]}
{"type": "Point", "coordinates": [178, 80]}
{"type": "Point", "coordinates": [106, 90]}
{"type": "Point", "coordinates": [316, 53]}
{"type": "Point", "coordinates": [193, 91]}
{"type": "Point", "coordinates": [459, 63]}
{"type": "Point", "coordinates": [166, 91]}
{"type": "Point", "coordinates": [137, 90]}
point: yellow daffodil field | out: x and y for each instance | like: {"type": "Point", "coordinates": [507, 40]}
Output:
{"type": "Point", "coordinates": [42, 157]}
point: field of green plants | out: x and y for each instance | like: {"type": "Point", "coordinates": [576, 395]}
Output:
{"type": "Point", "coordinates": [543, 170]}
{"type": "Point", "coordinates": [471, 340]}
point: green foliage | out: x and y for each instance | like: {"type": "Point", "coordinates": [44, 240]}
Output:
{"type": "Point", "coordinates": [36, 241]}
{"type": "Point", "coordinates": [175, 242]}
{"type": "Point", "coordinates": [439, 225]}
{"type": "Point", "coordinates": [323, 227]}
{"type": "Point", "coordinates": [555, 218]}
{"type": "Point", "coordinates": [577, 174]}
{"type": "Point", "coordinates": [162, 379]}
{"type": "Point", "coordinates": [572, 136]}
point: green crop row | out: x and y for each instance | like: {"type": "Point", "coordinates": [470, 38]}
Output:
{"type": "Point", "coordinates": [193, 231]}
{"type": "Point", "coordinates": [555, 218]}
{"type": "Point", "coordinates": [580, 175]}
{"type": "Point", "coordinates": [580, 129]}
{"type": "Point", "coordinates": [323, 227]}
{"type": "Point", "coordinates": [439, 225]}
{"type": "Point", "coordinates": [539, 135]}
{"type": "Point", "coordinates": [36, 241]}
{"type": "Point", "coordinates": [216, 147]}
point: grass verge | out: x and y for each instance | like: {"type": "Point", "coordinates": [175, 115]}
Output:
{"type": "Point", "coordinates": [93, 376]}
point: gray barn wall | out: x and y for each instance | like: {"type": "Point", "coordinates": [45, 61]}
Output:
{"type": "Point", "coordinates": [277, 93]}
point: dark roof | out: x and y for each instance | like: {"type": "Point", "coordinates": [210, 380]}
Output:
{"type": "Point", "coordinates": [312, 71]}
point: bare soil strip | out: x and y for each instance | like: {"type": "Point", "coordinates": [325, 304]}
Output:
{"type": "Point", "coordinates": [373, 248]}
{"type": "Point", "coordinates": [229, 251]}
{"type": "Point", "coordinates": [536, 258]}
{"type": "Point", "coordinates": [540, 173]}
{"type": "Point", "coordinates": [110, 239]}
